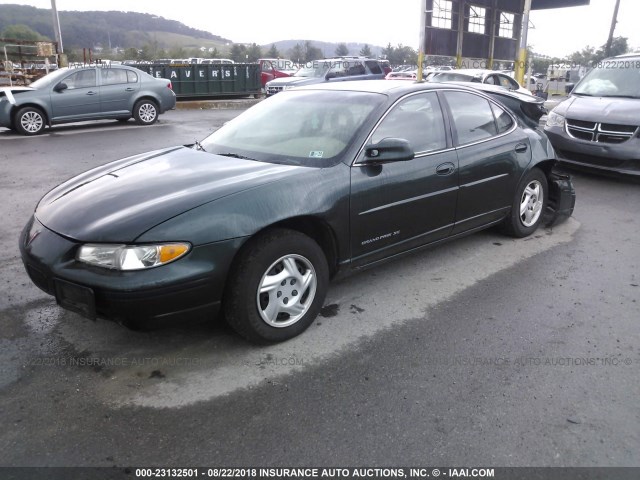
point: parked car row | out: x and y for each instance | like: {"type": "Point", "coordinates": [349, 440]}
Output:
{"type": "Point", "coordinates": [380, 168]}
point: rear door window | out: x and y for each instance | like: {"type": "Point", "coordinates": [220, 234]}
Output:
{"type": "Point", "coordinates": [472, 117]}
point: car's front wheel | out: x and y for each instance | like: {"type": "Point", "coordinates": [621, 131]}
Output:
{"type": "Point", "coordinates": [276, 287]}
{"type": "Point", "coordinates": [528, 205]}
{"type": "Point", "coordinates": [29, 121]}
{"type": "Point", "coordinates": [145, 112]}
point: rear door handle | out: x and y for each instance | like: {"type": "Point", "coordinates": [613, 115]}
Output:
{"type": "Point", "coordinates": [129, 89]}
{"type": "Point", "coordinates": [90, 92]}
{"type": "Point", "coordinates": [445, 168]}
{"type": "Point", "coordinates": [521, 147]}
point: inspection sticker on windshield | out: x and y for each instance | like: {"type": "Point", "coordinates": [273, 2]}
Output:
{"type": "Point", "coordinates": [316, 154]}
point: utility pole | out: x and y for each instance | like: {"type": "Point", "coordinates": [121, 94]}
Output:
{"type": "Point", "coordinates": [614, 20]}
{"type": "Point", "coordinates": [56, 26]}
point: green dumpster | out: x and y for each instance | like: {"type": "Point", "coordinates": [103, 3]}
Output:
{"type": "Point", "coordinates": [205, 80]}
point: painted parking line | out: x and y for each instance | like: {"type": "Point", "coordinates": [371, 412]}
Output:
{"type": "Point", "coordinates": [55, 133]}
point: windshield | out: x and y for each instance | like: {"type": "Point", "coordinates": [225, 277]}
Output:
{"type": "Point", "coordinates": [49, 79]}
{"type": "Point", "coordinates": [310, 128]}
{"type": "Point", "coordinates": [612, 78]}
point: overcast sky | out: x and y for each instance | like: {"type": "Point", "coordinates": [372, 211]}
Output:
{"type": "Point", "coordinates": [557, 32]}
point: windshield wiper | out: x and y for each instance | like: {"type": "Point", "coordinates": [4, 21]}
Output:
{"type": "Point", "coordinates": [235, 155]}
{"type": "Point", "coordinates": [199, 146]}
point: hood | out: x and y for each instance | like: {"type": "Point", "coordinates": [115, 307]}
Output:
{"type": "Point", "coordinates": [15, 89]}
{"type": "Point", "coordinates": [122, 200]}
{"type": "Point", "coordinates": [9, 92]}
{"type": "Point", "coordinates": [622, 111]}
{"type": "Point", "coordinates": [297, 81]}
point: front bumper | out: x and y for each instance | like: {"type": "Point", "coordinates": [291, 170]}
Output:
{"type": "Point", "coordinates": [562, 199]}
{"type": "Point", "coordinates": [5, 113]}
{"type": "Point", "coordinates": [621, 158]}
{"type": "Point", "coordinates": [189, 287]}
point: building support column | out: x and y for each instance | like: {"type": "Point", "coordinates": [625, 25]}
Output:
{"type": "Point", "coordinates": [423, 26]}
{"type": "Point", "coordinates": [460, 33]}
{"type": "Point", "coordinates": [492, 34]}
{"type": "Point", "coordinates": [521, 60]}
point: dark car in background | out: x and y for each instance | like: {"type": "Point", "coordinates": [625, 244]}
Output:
{"type": "Point", "coordinates": [598, 126]}
{"type": "Point", "coordinates": [78, 94]}
{"type": "Point", "coordinates": [337, 69]}
{"type": "Point", "coordinates": [305, 185]}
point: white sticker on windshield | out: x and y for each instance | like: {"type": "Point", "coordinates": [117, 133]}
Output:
{"type": "Point", "coordinates": [316, 154]}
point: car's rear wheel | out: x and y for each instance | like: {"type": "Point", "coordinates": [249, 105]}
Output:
{"type": "Point", "coordinates": [29, 121]}
{"type": "Point", "coordinates": [528, 205]}
{"type": "Point", "coordinates": [145, 112]}
{"type": "Point", "coordinates": [276, 287]}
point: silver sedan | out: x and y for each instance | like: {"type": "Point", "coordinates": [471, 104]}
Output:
{"type": "Point", "coordinates": [85, 93]}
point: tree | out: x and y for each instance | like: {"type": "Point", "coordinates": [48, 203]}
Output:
{"type": "Point", "coordinates": [342, 50]}
{"type": "Point", "coordinates": [238, 53]}
{"type": "Point", "coordinates": [273, 52]}
{"type": "Point", "coordinates": [21, 32]}
{"type": "Point", "coordinates": [254, 52]}
{"type": "Point", "coordinates": [297, 53]}
{"type": "Point", "coordinates": [387, 52]}
{"type": "Point", "coordinates": [585, 57]}
{"type": "Point", "coordinates": [400, 55]}
{"type": "Point", "coordinates": [619, 45]}
{"type": "Point", "coordinates": [311, 53]}
{"type": "Point", "coordinates": [147, 52]}
{"type": "Point", "coordinates": [176, 52]}
{"type": "Point", "coordinates": [131, 54]}
{"type": "Point", "coordinates": [214, 53]}
{"type": "Point", "coordinates": [365, 51]}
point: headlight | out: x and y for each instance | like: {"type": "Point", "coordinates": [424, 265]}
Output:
{"type": "Point", "coordinates": [131, 257]}
{"type": "Point", "coordinates": [555, 120]}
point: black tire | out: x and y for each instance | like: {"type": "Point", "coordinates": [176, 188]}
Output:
{"type": "Point", "coordinates": [532, 197]}
{"type": "Point", "coordinates": [29, 121]}
{"type": "Point", "coordinates": [260, 318]}
{"type": "Point", "coordinates": [145, 112]}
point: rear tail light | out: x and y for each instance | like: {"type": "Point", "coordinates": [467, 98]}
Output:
{"type": "Point", "coordinates": [170, 86]}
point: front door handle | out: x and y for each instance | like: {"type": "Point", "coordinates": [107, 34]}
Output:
{"type": "Point", "coordinates": [521, 148]}
{"type": "Point", "coordinates": [445, 168]}
{"type": "Point", "coordinates": [129, 89]}
{"type": "Point", "coordinates": [91, 92]}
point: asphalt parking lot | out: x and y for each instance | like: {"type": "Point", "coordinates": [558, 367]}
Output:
{"type": "Point", "coordinates": [485, 351]}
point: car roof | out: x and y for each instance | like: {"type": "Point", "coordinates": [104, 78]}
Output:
{"type": "Point", "coordinates": [100, 65]}
{"type": "Point", "coordinates": [497, 89]}
{"type": "Point", "coordinates": [628, 55]}
{"type": "Point", "coordinates": [386, 87]}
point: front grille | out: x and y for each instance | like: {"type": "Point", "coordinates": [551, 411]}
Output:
{"type": "Point", "coordinates": [600, 132]}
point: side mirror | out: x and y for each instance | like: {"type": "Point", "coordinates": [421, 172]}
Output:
{"type": "Point", "coordinates": [60, 87]}
{"type": "Point", "coordinates": [331, 75]}
{"type": "Point", "coordinates": [388, 150]}
{"type": "Point", "coordinates": [568, 87]}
